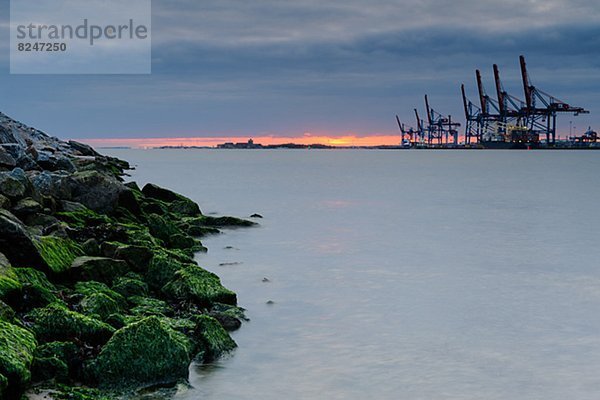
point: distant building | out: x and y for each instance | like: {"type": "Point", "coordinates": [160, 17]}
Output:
{"type": "Point", "coordinates": [241, 145]}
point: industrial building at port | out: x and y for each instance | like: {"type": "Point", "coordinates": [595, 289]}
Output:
{"type": "Point", "coordinates": [501, 122]}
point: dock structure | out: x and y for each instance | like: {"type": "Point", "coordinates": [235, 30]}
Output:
{"type": "Point", "coordinates": [503, 121]}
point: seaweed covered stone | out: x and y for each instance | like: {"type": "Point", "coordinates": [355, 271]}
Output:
{"type": "Point", "coordinates": [56, 322]}
{"type": "Point", "coordinates": [9, 281]}
{"type": "Point", "coordinates": [212, 340]}
{"type": "Point", "coordinates": [55, 360]}
{"type": "Point", "coordinates": [16, 355]}
{"type": "Point", "coordinates": [58, 253]}
{"type": "Point", "coordinates": [146, 352]}
{"type": "Point", "coordinates": [100, 269]}
{"type": "Point", "coordinates": [200, 286]}
{"type": "Point", "coordinates": [36, 290]}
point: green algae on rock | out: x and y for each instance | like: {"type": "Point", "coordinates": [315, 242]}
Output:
{"type": "Point", "coordinates": [56, 322]}
{"type": "Point", "coordinates": [100, 269]}
{"type": "Point", "coordinates": [54, 361]}
{"type": "Point", "coordinates": [197, 284]}
{"type": "Point", "coordinates": [212, 340]}
{"type": "Point", "coordinates": [36, 290]}
{"type": "Point", "coordinates": [57, 252]}
{"type": "Point", "coordinates": [16, 355]}
{"type": "Point", "coordinates": [146, 352]}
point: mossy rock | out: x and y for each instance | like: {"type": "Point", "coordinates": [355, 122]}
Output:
{"type": "Point", "coordinates": [101, 269]}
{"type": "Point", "coordinates": [139, 235]}
{"type": "Point", "coordinates": [143, 353]}
{"type": "Point", "coordinates": [212, 340]}
{"type": "Point", "coordinates": [91, 288]}
{"type": "Point", "coordinates": [10, 287]}
{"type": "Point", "coordinates": [56, 322]}
{"type": "Point", "coordinates": [137, 257]}
{"type": "Point", "coordinates": [16, 355]}
{"type": "Point", "coordinates": [221, 222]}
{"type": "Point", "coordinates": [162, 269]}
{"type": "Point", "coordinates": [177, 203]}
{"type": "Point", "coordinates": [100, 305]}
{"type": "Point", "coordinates": [49, 368]}
{"type": "Point", "coordinates": [58, 253]}
{"type": "Point", "coordinates": [162, 228]}
{"type": "Point", "coordinates": [146, 306]}
{"type": "Point", "coordinates": [128, 287]}
{"type": "Point", "coordinates": [200, 286]}
{"type": "Point", "coordinates": [37, 291]}
{"type": "Point", "coordinates": [55, 361]}
{"type": "Point", "coordinates": [7, 314]}
{"type": "Point", "coordinates": [83, 217]}
{"type": "Point", "coordinates": [185, 208]}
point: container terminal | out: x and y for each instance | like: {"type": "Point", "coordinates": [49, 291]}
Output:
{"type": "Point", "coordinates": [502, 121]}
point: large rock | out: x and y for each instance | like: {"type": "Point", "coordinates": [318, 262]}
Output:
{"type": "Point", "coordinates": [83, 149]}
{"type": "Point", "coordinates": [26, 207]}
{"type": "Point", "coordinates": [97, 191]}
{"type": "Point", "coordinates": [14, 184]}
{"type": "Point", "coordinates": [137, 257]}
{"type": "Point", "coordinates": [57, 253]}
{"type": "Point", "coordinates": [211, 339]}
{"type": "Point", "coordinates": [16, 242]}
{"type": "Point", "coordinates": [200, 286]}
{"type": "Point", "coordinates": [179, 204]}
{"type": "Point", "coordinates": [57, 185]}
{"type": "Point", "coordinates": [101, 269]}
{"type": "Point", "coordinates": [56, 322]}
{"type": "Point", "coordinates": [16, 354]}
{"type": "Point", "coordinates": [6, 159]}
{"type": "Point", "coordinates": [10, 287]}
{"type": "Point", "coordinates": [146, 353]}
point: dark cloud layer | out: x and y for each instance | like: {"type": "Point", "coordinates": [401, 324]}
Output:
{"type": "Point", "coordinates": [238, 67]}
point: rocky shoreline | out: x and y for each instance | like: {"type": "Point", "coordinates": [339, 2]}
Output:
{"type": "Point", "coordinates": [100, 295]}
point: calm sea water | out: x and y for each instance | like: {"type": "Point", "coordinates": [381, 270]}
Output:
{"type": "Point", "coordinates": [401, 274]}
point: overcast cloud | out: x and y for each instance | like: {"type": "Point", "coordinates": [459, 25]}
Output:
{"type": "Point", "coordinates": [234, 67]}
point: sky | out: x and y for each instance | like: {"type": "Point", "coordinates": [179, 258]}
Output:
{"type": "Point", "coordinates": [275, 70]}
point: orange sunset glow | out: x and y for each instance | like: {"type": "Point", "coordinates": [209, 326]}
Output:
{"type": "Point", "coordinates": [306, 139]}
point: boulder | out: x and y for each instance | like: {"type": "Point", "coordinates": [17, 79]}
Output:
{"type": "Point", "coordinates": [147, 352]}
{"type": "Point", "coordinates": [36, 289]}
{"type": "Point", "coordinates": [11, 184]}
{"type": "Point", "coordinates": [6, 159]}
{"type": "Point", "coordinates": [25, 207]}
{"type": "Point", "coordinates": [57, 185]}
{"type": "Point", "coordinates": [128, 287]}
{"type": "Point", "coordinates": [91, 288]}
{"type": "Point", "coordinates": [178, 204]}
{"type": "Point", "coordinates": [211, 339]}
{"type": "Point", "coordinates": [16, 355]}
{"type": "Point", "coordinates": [16, 242]}
{"type": "Point", "coordinates": [7, 314]}
{"type": "Point", "coordinates": [83, 149]}
{"type": "Point", "coordinates": [101, 269]}
{"type": "Point", "coordinates": [137, 257]}
{"type": "Point", "coordinates": [10, 287]}
{"type": "Point", "coordinates": [198, 285]}
{"type": "Point", "coordinates": [100, 305]}
{"type": "Point", "coordinates": [97, 191]}
{"type": "Point", "coordinates": [56, 322]}
{"type": "Point", "coordinates": [162, 270]}
{"type": "Point", "coordinates": [57, 253]}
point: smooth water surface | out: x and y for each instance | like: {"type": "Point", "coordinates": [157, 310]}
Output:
{"type": "Point", "coordinates": [401, 274]}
